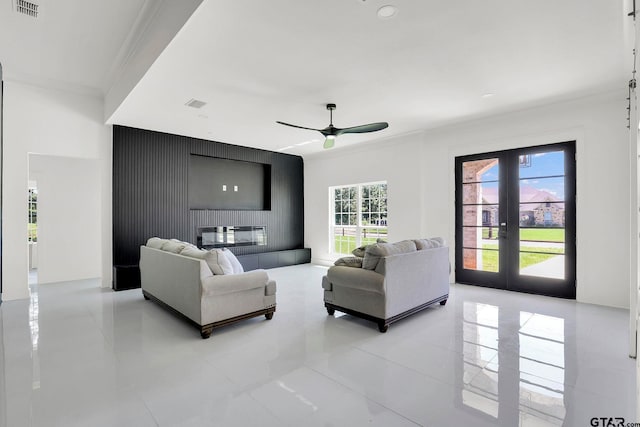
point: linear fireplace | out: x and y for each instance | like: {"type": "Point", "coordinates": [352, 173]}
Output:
{"type": "Point", "coordinates": [226, 236]}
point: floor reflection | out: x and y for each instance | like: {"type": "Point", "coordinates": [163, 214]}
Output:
{"type": "Point", "coordinates": [34, 328]}
{"type": "Point", "coordinates": [3, 376]}
{"type": "Point", "coordinates": [496, 366]}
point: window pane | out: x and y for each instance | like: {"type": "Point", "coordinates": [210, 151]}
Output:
{"type": "Point", "coordinates": [354, 208]}
{"type": "Point", "coordinates": [542, 164]}
{"type": "Point", "coordinates": [476, 237]}
{"type": "Point", "coordinates": [542, 265]}
{"type": "Point", "coordinates": [480, 193]}
{"type": "Point", "coordinates": [481, 259]}
{"type": "Point", "coordinates": [480, 170]}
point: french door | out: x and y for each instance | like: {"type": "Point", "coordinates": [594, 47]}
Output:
{"type": "Point", "coordinates": [515, 220]}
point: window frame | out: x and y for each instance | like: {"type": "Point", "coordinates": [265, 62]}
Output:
{"type": "Point", "coordinates": [359, 229]}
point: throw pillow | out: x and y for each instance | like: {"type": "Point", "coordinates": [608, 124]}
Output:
{"type": "Point", "coordinates": [215, 259]}
{"type": "Point", "coordinates": [359, 252]}
{"type": "Point", "coordinates": [156, 242]}
{"type": "Point", "coordinates": [235, 264]}
{"type": "Point", "coordinates": [373, 253]}
{"type": "Point", "coordinates": [349, 261]}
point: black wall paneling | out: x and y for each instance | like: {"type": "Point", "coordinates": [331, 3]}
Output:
{"type": "Point", "coordinates": [228, 184]}
{"type": "Point", "coordinates": [151, 195]}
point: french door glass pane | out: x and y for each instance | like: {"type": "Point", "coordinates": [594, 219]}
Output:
{"type": "Point", "coordinates": [542, 215]}
{"type": "Point", "coordinates": [481, 259]}
{"type": "Point", "coordinates": [480, 214]}
{"type": "Point", "coordinates": [551, 162]}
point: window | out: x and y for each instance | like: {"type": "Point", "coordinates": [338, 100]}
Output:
{"type": "Point", "coordinates": [359, 215]}
{"type": "Point", "coordinates": [32, 211]}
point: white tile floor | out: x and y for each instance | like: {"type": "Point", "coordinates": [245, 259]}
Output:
{"type": "Point", "coordinates": [77, 355]}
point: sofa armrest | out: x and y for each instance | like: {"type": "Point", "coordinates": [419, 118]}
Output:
{"type": "Point", "coordinates": [415, 278]}
{"type": "Point", "coordinates": [228, 283]}
{"type": "Point", "coordinates": [356, 278]}
{"type": "Point", "coordinates": [270, 289]}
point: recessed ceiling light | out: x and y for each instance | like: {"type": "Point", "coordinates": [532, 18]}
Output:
{"type": "Point", "coordinates": [488, 95]}
{"type": "Point", "coordinates": [195, 103]}
{"type": "Point", "coordinates": [387, 11]}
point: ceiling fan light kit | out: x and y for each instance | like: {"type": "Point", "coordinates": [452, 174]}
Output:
{"type": "Point", "coordinates": [331, 132]}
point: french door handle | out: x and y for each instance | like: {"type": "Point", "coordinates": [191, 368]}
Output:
{"type": "Point", "coordinates": [503, 230]}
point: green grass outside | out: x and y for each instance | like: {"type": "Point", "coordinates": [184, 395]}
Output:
{"type": "Point", "coordinates": [346, 244]}
{"type": "Point", "coordinates": [490, 258]}
{"type": "Point", "coordinates": [32, 232]}
{"type": "Point", "coordinates": [531, 234]}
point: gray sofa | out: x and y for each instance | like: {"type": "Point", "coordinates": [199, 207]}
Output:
{"type": "Point", "coordinates": [181, 277]}
{"type": "Point", "coordinates": [390, 282]}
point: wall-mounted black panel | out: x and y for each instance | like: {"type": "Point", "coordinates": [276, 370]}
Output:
{"type": "Point", "coordinates": [228, 184]}
{"type": "Point", "coordinates": [151, 193]}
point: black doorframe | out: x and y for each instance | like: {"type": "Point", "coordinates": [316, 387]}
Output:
{"type": "Point", "coordinates": [508, 276]}
{"type": "Point", "coordinates": [1, 171]}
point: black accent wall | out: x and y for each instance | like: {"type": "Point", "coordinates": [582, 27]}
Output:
{"type": "Point", "coordinates": [151, 195]}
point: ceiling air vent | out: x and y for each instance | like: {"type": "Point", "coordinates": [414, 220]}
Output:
{"type": "Point", "coordinates": [28, 8]}
{"type": "Point", "coordinates": [194, 103]}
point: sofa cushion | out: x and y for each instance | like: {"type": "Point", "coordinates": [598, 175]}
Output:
{"type": "Point", "coordinates": [156, 242]}
{"type": "Point", "coordinates": [186, 244]}
{"type": "Point", "coordinates": [433, 242]}
{"type": "Point", "coordinates": [373, 253]}
{"type": "Point", "coordinates": [216, 260]}
{"type": "Point", "coordinates": [235, 264]}
{"type": "Point", "coordinates": [350, 261]}
{"type": "Point", "coordinates": [173, 247]}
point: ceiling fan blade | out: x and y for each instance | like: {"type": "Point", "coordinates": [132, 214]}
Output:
{"type": "Point", "coordinates": [371, 127]}
{"type": "Point", "coordinates": [296, 126]}
{"type": "Point", "coordinates": [329, 142]}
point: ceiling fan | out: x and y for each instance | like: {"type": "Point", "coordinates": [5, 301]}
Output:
{"type": "Point", "coordinates": [331, 132]}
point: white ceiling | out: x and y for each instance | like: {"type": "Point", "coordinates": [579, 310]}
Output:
{"type": "Point", "coordinates": [257, 62]}
{"type": "Point", "coordinates": [71, 44]}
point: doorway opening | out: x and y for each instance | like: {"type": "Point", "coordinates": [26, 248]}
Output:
{"type": "Point", "coordinates": [32, 232]}
{"type": "Point", "coordinates": [515, 219]}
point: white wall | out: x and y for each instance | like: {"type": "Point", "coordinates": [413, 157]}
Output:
{"type": "Point", "coordinates": [69, 234]}
{"type": "Point", "coordinates": [419, 169]}
{"type": "Point", "coordinates": [49, 122]}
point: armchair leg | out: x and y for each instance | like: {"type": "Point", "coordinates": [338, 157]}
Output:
{"type": "Point", "coordinates": [382, 327]}
{"type": "Point", "coordinates": [331, 311]}
{"type": "Point", "coordinates": [269, 316]}
{"type": "Point", "coordinates": [443, 302]}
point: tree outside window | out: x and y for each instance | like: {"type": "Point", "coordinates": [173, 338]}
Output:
{"type": "Point", "coordinates": [359, 215]}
